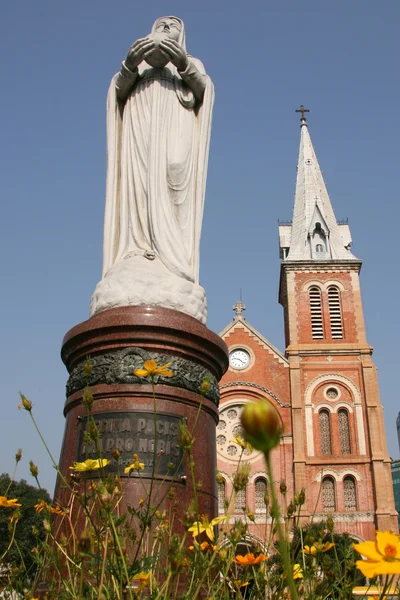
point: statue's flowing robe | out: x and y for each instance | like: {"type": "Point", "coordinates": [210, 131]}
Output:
{"type": "Point", "coordinates": [157, 153]}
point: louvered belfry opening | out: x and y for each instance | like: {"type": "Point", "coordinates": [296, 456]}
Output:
{"type": "Point", "coordinates": [317, 324]}
{"type": "Point", "coordinates": [335, 313]}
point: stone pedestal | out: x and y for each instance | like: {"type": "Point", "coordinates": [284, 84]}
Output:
{"type": "Point", "coordinates": [119, 341]}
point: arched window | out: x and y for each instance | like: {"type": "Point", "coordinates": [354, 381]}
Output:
{"type": "Point", "coordinates": [344, 431]}
{"type": "Point", "coordinates": [221, 497]}
{"type": "Point", "coordinates": [240, 501]}
{"type": "Point", "coordinates": [328, 494]}
{"type": "Point", "coordinates": [317, 325]}
{"type": "Point", "coordinates": [325, 431]}
{"type": "Point", "coordinates": [349, 491]}
{"type": "Point", "coordinates": [319, 248]}
{"type": "Point", "coordinates": [335, 312]}
{"type": "Point", "coordinates": [260, 491]}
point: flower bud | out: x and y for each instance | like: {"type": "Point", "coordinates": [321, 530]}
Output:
{"type": "Point", "coordinates": [205, 385]}
{"type": "Point", "coordinates": [330, 524]}
{"type": "Point", "coordinates": [25, 403]}
{"type": "Point", "coordinates": [84, 542]}
{"type": "Point", "coordinates": [283, 487]}
{"type": "Point", "coordinates": [219, 478]}
{"type": "Point", "coordinates": [262, 425]}
{"type": "Point", "coordinates": [18, 455]}
{"type": "Point", "coordinates": [290, 509]}
{"type": "Point", "coordinates": [241, 477]}
{"type": "Point", "coordinates": [116, 454]}
{"type": "Point", "coordinates": [46, 525]}
{"type": "Point", "coordinates": [185, 437]}
{"type": "Point", "coordinates": [87, 369]}
{"type": "Point", "coordinates": [33, 469]}
{"type": "Point", "coordinates": [302, 497]}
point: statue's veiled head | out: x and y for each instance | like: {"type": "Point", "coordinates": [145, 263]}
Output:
{"type": "Point", "coordinates": [172, 27]}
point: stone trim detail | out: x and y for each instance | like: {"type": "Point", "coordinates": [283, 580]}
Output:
{"type": "Point", "coordinates": [348, 517]}
{"type": "Point", "coordinates": [338, 475]}
{"type": "Point", "coordinates": [117, 366]}
{"type": "Point", "coordinates": [258, 387]}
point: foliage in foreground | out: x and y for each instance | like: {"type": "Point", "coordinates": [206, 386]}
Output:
{"type": "Point", "coordinates": [95, 546]}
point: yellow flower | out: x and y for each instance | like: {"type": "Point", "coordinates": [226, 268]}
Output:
{"type": "Point", "coordinates": [90, 464]}
{"type": "Point", "coordinates": [249, 559]}
{"type": "Point", "coordinates": [42, 505]}
{"type": "Point", "coordinates": [57, 510]}
{"type": "Point", "coordinates": [204, 525]}
{"type": "Point", "coordinates": [9, 503]}
{"type": "Point", "coordinates": [205, 547]}
{"type": "Point", "coordinates": [323, 547]}
{"type": "Point", "coordinates": [242, 443]}
{"type": "Point", "coordinates": [141, 580]}
{"type": "Point", "coordinates": [383, 555]}
{"type": "Point", "coordinates": [150, 368]}
{"type": "Point", "coordinates": [297, 572]}
{"type": "Point", "coordinates": [309, 550]}
{"type": "Point", "coordinates": [135, 466]}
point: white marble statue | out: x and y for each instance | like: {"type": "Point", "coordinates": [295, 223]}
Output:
{"type": "Point", "coordinates": [159, 110]}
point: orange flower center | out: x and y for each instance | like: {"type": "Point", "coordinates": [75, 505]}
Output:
{"type": "Point", "coordinates": [390, 551]}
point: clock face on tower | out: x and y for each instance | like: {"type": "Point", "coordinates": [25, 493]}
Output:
{"type": "Point", "coordinates": [239, 359]}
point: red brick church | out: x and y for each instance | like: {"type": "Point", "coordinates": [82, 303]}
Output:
{"type": "Point", "coordinates": [324, 384]}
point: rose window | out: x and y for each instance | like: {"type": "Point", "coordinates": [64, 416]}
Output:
{"type": "Point", "coordinates": [228, 428]}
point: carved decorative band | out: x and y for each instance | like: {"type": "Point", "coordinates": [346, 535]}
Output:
{"type": "Point", "coordinates": [258, 387]}
{"type": "Point", "coordinates": [117, 366]}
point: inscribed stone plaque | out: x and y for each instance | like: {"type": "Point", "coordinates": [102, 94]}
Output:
{"type": "Point", "coordinates": [151, 437]}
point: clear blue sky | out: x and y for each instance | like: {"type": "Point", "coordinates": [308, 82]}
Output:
{"type": "Point", "coordinates": [338, 58]}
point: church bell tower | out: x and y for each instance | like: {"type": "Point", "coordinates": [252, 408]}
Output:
{"type": "Point", "coordinates": [339, 442]}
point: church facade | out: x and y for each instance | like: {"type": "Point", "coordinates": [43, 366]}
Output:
{"type": "Point", "coordinates": [324, 385]}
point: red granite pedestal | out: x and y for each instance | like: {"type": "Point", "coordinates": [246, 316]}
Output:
{"type": "Point", "coordinates": [118, 341]}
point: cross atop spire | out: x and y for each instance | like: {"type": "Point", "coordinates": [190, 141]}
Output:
{"type": "Point", "coordinates": [239, 307]}
{"type": "Point", "coordinates": [302, 110]}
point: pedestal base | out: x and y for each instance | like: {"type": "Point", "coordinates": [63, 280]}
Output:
{"type": "Point", "coordinates": [119, 341]}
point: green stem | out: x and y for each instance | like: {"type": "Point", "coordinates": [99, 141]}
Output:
{"type": "Point", "coordinates": [145, 524]}
{"type": "Point", "coordinates": [281, 538]}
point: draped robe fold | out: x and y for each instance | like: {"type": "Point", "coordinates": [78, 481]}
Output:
{"type": "Point", "coordinates": [157, 155]}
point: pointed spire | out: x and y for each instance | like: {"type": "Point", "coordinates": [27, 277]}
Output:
{"type": "Point", "coordinates": [315, 233]}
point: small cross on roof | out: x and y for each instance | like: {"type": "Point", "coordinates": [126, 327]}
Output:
{"type": "Point", "coordinates": [239, 307]}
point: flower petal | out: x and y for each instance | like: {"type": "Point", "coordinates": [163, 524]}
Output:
{"type": "Point", "coordinates": [372, 568]}
{"type": "Point", "coordinates": [369, 550]}
{"type": "Point", "coordinates": [164, 372]}
{"type": "Point", "coordinates": [387, 538]}
{"type": "Point", "coordinates": [150, 366]}
{"type": "Point", "coordinates": [140, 372]}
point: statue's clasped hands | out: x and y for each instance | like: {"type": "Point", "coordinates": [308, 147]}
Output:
{"type": "Point", "coordinates": [176, 54]}
{"type": "Point", "coordinates": [144, 47]}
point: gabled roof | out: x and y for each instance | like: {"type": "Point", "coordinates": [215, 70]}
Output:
{"type": "Point", "coordinates": [240, 322]}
